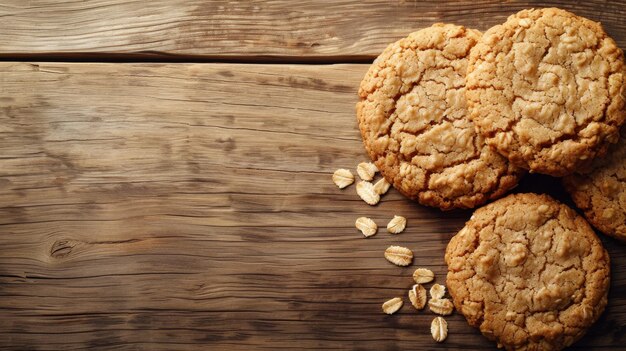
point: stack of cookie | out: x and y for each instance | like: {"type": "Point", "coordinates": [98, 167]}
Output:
{"type": "Point", "coordinates": [453, 119]}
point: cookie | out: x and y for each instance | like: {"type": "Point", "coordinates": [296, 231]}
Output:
{"type": "Point", "coordinates": [412, 118]}
{"type": "Point", "coordinates": [546, 89]}
{"type": "Point", "coordinates": [601, 191]}
{"type": "Point", "coordinates": [529, 272]}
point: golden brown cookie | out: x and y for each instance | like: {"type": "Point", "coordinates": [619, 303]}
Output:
{"type": "Point", "coordinates": [529, 272]}
{"type": "Point", "coordinates": [546, 88]}
{"type": "Point", "coordinates": [412, 117]}
{"type": "Point", "coordinates": [601, 191]}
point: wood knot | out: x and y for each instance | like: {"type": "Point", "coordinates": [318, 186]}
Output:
{"type": "Point", "coordinates": [62, 248]}
{"type": "Point", "coordinates": [228, 144]}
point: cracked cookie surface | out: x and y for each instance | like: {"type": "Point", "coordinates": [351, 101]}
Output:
{"type": "Point", "coordinates": [412, 117]}
{"type": "Point", "coordinates": [546, 88]}
{"type": "Point", "coordinates": [529, 272]}
{"type": "Point", "coordinates": [601, 191]}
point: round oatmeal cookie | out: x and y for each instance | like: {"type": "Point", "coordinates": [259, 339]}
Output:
{"type": "Point", "coordinates": [546, 88]}
{"type": "Point", "coordinates": [529, 272]}
{"type": "Point", "coordinates": [413, 121]}
{"type": "Point", "coordinates": [601, 191]}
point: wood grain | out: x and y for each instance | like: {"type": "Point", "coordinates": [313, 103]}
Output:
{"type": "Point", "coordinates": [190, 206]}
{"type": "Point", "coordinates": [261, 30]}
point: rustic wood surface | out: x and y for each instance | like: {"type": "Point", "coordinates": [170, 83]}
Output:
{"type": "Point", "coordinates": [190, 206]}
{"type": "Point", "coordinates": [331, 30]}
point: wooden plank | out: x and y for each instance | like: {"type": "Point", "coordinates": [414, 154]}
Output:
{"type": "Point", "coordinates": [190, 206]}
{"type": "Point", "coordinates": [321, 30]}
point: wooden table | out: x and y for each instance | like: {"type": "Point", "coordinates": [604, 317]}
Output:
{"type": "Point", "coordinates": [165, 177]}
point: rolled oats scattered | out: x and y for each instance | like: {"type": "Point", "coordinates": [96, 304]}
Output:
{"type": "Point", "coordinates": [423, 276]}
{"type": "Point", "coordinates": [366, 226]}
{"type": "Point", "coordinates": [439, 329]}
{"type": "Point", "coordinates": [343, 177]}
{"type": "Point", "coordinates": [443, 307]}
{"type": "Point", "coordinates": [366, 170]}
{"type": "Point", "coordinates": [396, 225]}
{"type": "Point", "coordinates": [417, 296]}
{"type": "Point", "coordinates": [398, 255]}
{"type": "Point", "coordinates": [437, 291]}
{"type": "Point", "coordinates": [381, 186]}
{"type": "Point", "coordinates": [393, 305]}
{"type": "Point", "coordinates": [366, 192]}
